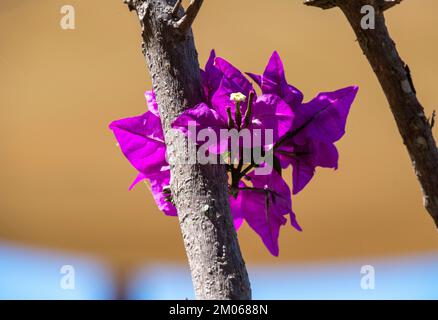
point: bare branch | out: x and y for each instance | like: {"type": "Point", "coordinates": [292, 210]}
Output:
{"type": "Point", "coordinates": [395, 79]}
{"type": "Point", "coordinates": [323, 4]}
{"type": "Point", "coordinates": [431, 120]}
{"type": "Point", "coordinates": [132, 4]}
{"type": "Point", "coordinates": [176, 8]}
{"type": "Point", "coordinates": [185, 23]}
{"type": "Point", "coordinates": [328, 4]}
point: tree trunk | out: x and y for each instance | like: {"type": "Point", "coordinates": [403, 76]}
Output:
{"type": "Point", "coordinates": [395, 78]}
{"type": "Point", "coordinates": [199, 192]}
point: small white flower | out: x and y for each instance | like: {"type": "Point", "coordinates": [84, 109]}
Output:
{"type": "Point", "coordinates": [237, 97]}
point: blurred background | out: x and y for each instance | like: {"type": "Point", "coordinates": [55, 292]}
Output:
{"type": "Point", "coordinates": [65, 208]}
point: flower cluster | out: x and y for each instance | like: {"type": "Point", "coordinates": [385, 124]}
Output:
{"type": "Point", "coordinates": [292, 133]}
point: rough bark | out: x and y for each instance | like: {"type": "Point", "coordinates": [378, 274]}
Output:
{"type": "Point", "coordinates": [199, 192]}
{"type": "Point", "coordinates": [396, 81]}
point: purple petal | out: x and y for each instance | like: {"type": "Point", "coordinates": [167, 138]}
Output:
{"type": "Point", "coordinates": [264, 208]}
{"type": "Point", "coordinates": [274, 76]}
{"type": "Point", "coordinates": [209, 66]}
{"type": "Point", "coordinates": [255, 77]}
{"type": "Point", "coordinates": [327, 155]}
{"type": "Point", "coordinates": [211, 77]}
{"type": "Point", "coordinates": [142, 142]}
{"type": "Point", "coordinates": [140, 177]}
{"type": "Point", "coordinates": [317, 125]}
{"type": "Point", "coordinates": [274, 82]}
{"type": "Point", "coordinates": [324, 117]}
{"type": "Point", "coordinates": [302, 173]}
{"type": "Point", "coordinates": [234, 75]}
{"type": "Point", "coordinates": [305, 158]}
{"type": "Point", "coordinates": [261, 220]}
{"type": "Point", "coordinates": [281, 193]}
{"type": "Point", "coordinates": [202, 118]}
{"type": "Point", "coordinates": [271, 112]}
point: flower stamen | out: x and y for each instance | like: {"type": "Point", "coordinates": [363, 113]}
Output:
{"type": "Point", "coordinates": [238, 98]}
{"type": "Point", "coordinates": [230, 118]}
{"type": "Point", "coordinates": [247, 120]}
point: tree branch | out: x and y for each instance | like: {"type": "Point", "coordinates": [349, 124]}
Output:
{"type": "Point", "coordinates": [323, 4]}
{"type": "Point", "coordinates": [199, 192]}
{"type": "Point", "coordinates": [185, 23]}
{"type": "Point", "coordinates": [396, 81]}
{"type": "Point", "coordinates": [328, 4]}
{"type": "Point", "coordinates": [176, 8]}
{"type": "Point", "coordinates": [431, 120]}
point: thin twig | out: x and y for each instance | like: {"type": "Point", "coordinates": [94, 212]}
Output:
{"type": "Point", "coordinates": [247, 170]}
{"type": "Point", "coordinates": [132, 4]}
{"type": "Point", "coordinates": [185, 23]}
{"type": "Point", "coordinates": [323, 4]}
{"type": "Point", "coordinates": [432, 119]}
{"type": "Point", "coordinates": [176, 8]}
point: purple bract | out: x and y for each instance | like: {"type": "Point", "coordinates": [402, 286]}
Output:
{"type": "Point", "coordinates": [302, 136]}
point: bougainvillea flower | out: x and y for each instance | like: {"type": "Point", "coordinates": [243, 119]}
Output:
{"type": "Point", "coordinates": [264, 207]}
{"type": "Point", "coordinates": [317, 125]}
{"type": "Point", "coordinates": [303, 137]}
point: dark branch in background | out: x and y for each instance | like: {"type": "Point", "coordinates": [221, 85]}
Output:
{"type": "Point", "coordinates": [396, 81]}
{"type": "Point", "coordinates": [328, 4]}
{"type": "Point", "coordinates": [199, 192]}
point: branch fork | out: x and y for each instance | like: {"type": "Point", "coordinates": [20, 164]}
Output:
{"type": "Point", "coordinates": [184, 24]}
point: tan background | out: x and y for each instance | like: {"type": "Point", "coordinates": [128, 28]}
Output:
{"type": "Point", "coordinates": [63, 182]}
